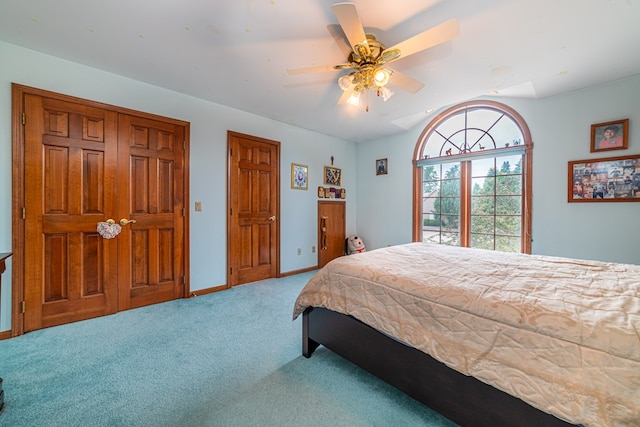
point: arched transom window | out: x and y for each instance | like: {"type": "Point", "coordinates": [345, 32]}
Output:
{"type": "Point", "coordinates": [472, 179]}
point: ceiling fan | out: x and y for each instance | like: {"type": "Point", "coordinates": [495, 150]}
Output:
{"type": "Point", "coordinates": [368, 58]}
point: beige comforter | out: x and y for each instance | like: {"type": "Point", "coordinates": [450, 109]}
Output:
{"type": "Point", "coordinates": [561, 334]}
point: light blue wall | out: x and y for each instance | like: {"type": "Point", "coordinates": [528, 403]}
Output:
{"type": "Point", "coordinates": [560, 128]}
{"type": "Point", "coordinates": [378, 207]}
{"type": "Point", "coordinates": [209, 125]}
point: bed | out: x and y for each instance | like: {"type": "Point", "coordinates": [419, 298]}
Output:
{"type": "Point", "coordinates": [486, 338]}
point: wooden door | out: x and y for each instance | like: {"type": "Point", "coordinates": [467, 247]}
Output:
{"type": "Point", "coordinates": [253, 199]}
{"type": "Point", "coordinates": [150, 192]}
{"type": "Point", "coordinates": [331, 231]}
{"type": "Point", "coordinates": [78, 163]}
{"type": "Point", "coordinates": [70, 175]}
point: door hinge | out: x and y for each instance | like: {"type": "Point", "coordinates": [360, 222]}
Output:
{"type": "Point", "coordinates": [24, 119]}
{"type": "Point", "coordinates": [230, 270]}
{"type": "Point", "coordinates": [183, 212]}
{"type": "Point", "coordinates": [24, 212]}
{"type": "Point", "coordinates": [184, 282]}
{"type": "Point", "coordinates": [22, 307]}
{"type": "Point", "coordinates": [184, 145]}
{"type": "Point", "coordinates": [230, 211]}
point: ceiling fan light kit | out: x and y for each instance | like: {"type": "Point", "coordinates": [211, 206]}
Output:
{"type": "Point", "coordinates": [368, 57]}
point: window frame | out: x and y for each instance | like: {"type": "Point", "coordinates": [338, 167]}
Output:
{"type": "Point", "coordinates": [465, 217]}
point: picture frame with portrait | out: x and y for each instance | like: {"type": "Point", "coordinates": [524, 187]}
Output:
{"type": "Point", "coordinates": [332, 176]}
{"type": "Point", "coordinates": [382, 167]}
{"type": "Point", "coordinates": [299, 176]}
{"type": "Point", "coordinates": [610, 136]}
{"type": "Point", "coordinates": [614, 179]}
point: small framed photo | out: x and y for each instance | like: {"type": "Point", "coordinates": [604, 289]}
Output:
{"type": "Point", "coordinates": [332, 176]}
{"type": "Point", "coordinates": [610, 136]}
{"type": "Point", "coordinates": [381, 167]}
{"type": "Point", "coordinates": [615, 179]}
{"type": "Point", "coordinates": [299, 176]}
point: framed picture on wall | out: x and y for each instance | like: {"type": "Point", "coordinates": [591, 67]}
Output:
{"type": "Point", "coordinates": [332, 176]}
{"type": "Point", "coordinates": [381, 167]}
{"type": "Point", "coordinates": [615, 179]}
{"type": "Point", "coordinates": [610, 136]}
{"type": "Point", "coordinates": [299, 176]}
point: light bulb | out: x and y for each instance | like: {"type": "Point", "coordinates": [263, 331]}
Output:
{"type": "Point", "coordinates": [381, 76]}
{"type": "Point", "coordinates": [345, 81]}
{"type": "Point", "coordinates": [354, 99]}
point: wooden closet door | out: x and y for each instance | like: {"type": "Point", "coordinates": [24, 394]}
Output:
{"type": "Point", "coordinates": [83, 164]}
{"type": "Point", "coordinates": [70, 171]}
{"type": "Point", "coordinates": [151, 176]}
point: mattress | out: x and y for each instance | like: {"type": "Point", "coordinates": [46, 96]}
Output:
{"type": "Point", "coordinates": [561, 334]}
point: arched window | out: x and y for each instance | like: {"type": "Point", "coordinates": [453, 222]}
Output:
{"type": "Point", "coordinates": [472, 179]}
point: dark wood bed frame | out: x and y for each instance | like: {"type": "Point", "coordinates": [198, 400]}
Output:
{"type": "Point", "coordinates": [461, 398]}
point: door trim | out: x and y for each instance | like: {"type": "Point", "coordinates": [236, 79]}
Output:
{"type": "Point", "coordinates": [18, 93]}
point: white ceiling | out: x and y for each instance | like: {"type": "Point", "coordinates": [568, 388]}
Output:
{"type": "Point", "coordinates": [236, 53]}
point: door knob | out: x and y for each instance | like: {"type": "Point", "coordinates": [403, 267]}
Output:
{"type": "Point", "coordinates": [125, 221]}
{"type": "Point", "coordinates": [108, 229]}
{"type": "Point", "coordinates": [272, 218]}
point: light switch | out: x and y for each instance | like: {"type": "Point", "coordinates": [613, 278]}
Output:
{"type": "Point", "coordinates": [198, 206]}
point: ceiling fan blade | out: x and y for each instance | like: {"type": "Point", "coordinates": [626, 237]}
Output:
{"type": "Point", "coordinates": [318, 69]}
{"type": "Point", "coordinates": [405, 82]}
{"type": "Point", "coordinates": [351, 25]}
{"type": "Point", "coordinates": [432, 37]}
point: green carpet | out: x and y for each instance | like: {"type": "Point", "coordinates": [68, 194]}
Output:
{"type": "Point", "coordinates": [232, 358]}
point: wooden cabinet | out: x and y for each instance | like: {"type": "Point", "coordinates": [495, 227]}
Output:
{"type": "Point", "coordinates": [331, 230]}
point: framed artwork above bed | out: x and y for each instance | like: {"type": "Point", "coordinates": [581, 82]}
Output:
{"type": "Point", "coordinates": [614, 179]}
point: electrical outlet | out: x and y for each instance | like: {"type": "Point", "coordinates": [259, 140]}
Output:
{"type": "Point", "coordinates": [299, 251]}
{"type": "Point", "coordinates": [313, 249]}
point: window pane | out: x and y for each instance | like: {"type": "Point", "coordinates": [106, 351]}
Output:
{"type": "Point", "coordinates": [509, 225]}
{"type": "Point", "coordinates": [507, 133]}
{"type": "Point", "coordinates": [508, 165]}
{"type": "Point", "coordinates": [484, 185]}
{"type": "Point", "coordinates": [508, 205]}
{"type": "Point", "coordinates": [483, 224]}
{"type": "Point", "coordinates": [450, 188]}
{"type": "Point", "coordinates": [450, 205]}
{"type": "Point", "coordinates": [483, 205]}
{"type": "Point", "coordinates": [482, 241]}
{"type": "Point", "coordinates": [508, 244]}
{"type": "Point", "coordinates": [510, 184]}
{"type": "Point", "coordinates": [430, 236]}
{"type": "Point", "coordinates": [431, 222]}
{"type": "Point", "coordinates": [451, 239]}
{"type": "Point", "coordinates": [483, 167]}
{"type": "Point", "coordinates": [430, 178]}
{"type": "Point", "coordinates": [429, 207]}
{"type": "Point", "coordinates": [450, 222]}
{"type": "Point", "coordinates": [451, 170]}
